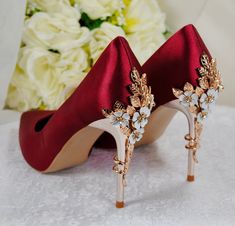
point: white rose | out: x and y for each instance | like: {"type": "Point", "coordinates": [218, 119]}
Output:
{"type": "Point", "coordinates": [145, 32]}
{"type": "Point", "coordinates": [142, 15]}
{"type": "Point", "coordinates": [22, 94]}
{"type": "Point", "coordinates": [101, 37]}
{"type": "Point", "coordinates": [55, 6]}
{"type": "Point", "coordinates": [144, 44]}
{"type": "Point", "coordinates": [39, 67]}
{"type": "Point", "coordinates": [99, 8]}
{"type": "Point", "coordinates": [55, 31]}
{"type": "Point", "coordinates": [73, 66]}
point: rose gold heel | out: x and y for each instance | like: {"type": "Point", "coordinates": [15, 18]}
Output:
{"type": "Point", "coordinates": [120, 139]}
{"type": "Point", "coordinates": [192, 137]}
{"type": "Point", "coordinates": [195, 103]}
{"type": "Point", "coordinates": [129, 123]}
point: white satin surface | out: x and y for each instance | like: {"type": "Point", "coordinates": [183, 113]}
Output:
{"type": "Point", "coordinates": [157, 193]}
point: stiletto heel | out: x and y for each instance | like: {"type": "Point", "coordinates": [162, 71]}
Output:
{"type": "Point", "coordinates": [127, 127]}
{"type": "Point", "coordinates": [131, 121]}
{"type": "Point", "coordinates": [120, 138]}
{"type": "Point", "coordinates": [191, 137]}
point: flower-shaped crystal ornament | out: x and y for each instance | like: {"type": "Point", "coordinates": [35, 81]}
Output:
{"type": "Point", "coordinates": [208, 99]}
{"type": "Point", "coordinates": [133, 118]}
{"type": "Point", "coordinates": [188, 98]}
{"type": "Point", "coordinates": [136, 136]}
{"type": "Point", "coordinates": [120, 118]}
{"type": "Point", "coordinates": [202, 98]}
{"type": "Point", "coordinates": [140, 119]}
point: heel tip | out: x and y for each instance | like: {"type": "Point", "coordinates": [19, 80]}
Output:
{"type": "Point", "coordinates": [190, 178]}
{"type": "Point", "coordinates": [119, 204]}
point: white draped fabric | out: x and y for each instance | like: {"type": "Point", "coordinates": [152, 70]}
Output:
{"type": "Point", "coordinates": [157, 193]}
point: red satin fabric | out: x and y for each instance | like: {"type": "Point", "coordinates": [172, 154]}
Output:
{"type": "Point", "coordinates": [175, 63]}
{"type": "Point", "coordinates": [42, 134]}
{"type": "Point", "coordinates": [171, 66]}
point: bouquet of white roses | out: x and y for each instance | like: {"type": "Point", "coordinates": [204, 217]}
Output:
{"type": "Point", "coordinates": [62, 39]}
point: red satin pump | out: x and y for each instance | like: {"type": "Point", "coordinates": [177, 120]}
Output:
{"type": "Point", "coordinates": [112, 95]}
{"type": "Point", "coordinates": [183, 77]}
{"type": "Point", "coordinates": [43, 134]}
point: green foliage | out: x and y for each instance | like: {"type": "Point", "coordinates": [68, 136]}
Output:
{"type": "Point", "coordinates": [54, 51]}
{"type": "Point", "coordinates": [31, 11]}
{"type": "Point", "coordinates": [89, 23]}
{"type": "Point", "coordinates": [72, 2]}
{"type": "Point", "coordinates": [167, 34]}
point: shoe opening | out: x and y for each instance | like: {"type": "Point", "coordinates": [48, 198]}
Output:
{"type": "Point", "coordinates": [41, 123]}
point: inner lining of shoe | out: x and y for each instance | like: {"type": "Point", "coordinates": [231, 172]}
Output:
{"type": "Point", "coordinates": [41, 123]}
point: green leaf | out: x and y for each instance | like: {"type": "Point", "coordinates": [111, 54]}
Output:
{"type": "Point", "coordinates": [167, 34]}
{"type": "Point", "coordinates": [89, 23]}
{"type": "Point", "coordinates": [54, 51]}
{"type": "Point", "coordinates": [72, 2]}
{"type": "Point", "coordinates": [31, 11]}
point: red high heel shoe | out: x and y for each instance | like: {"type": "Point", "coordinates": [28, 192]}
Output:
{"type": "Point", "coordinates": [55, 140]}
{"type": "Point", "coordinates": [183, 77]}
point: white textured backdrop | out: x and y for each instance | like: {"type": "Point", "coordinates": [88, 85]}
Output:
{"type": "Point", "coordinates": [157, 193]}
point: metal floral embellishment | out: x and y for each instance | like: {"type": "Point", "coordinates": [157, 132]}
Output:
{"type": "Point", "coordinates": [133, 118]}
{"type": "Point", "coordinates": [202, 98]}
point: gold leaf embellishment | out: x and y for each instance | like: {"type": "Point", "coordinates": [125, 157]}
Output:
{"type": "Point", "coordinates": [132, 119]}
{"type": "Point", "coordinates": [202, 98]}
